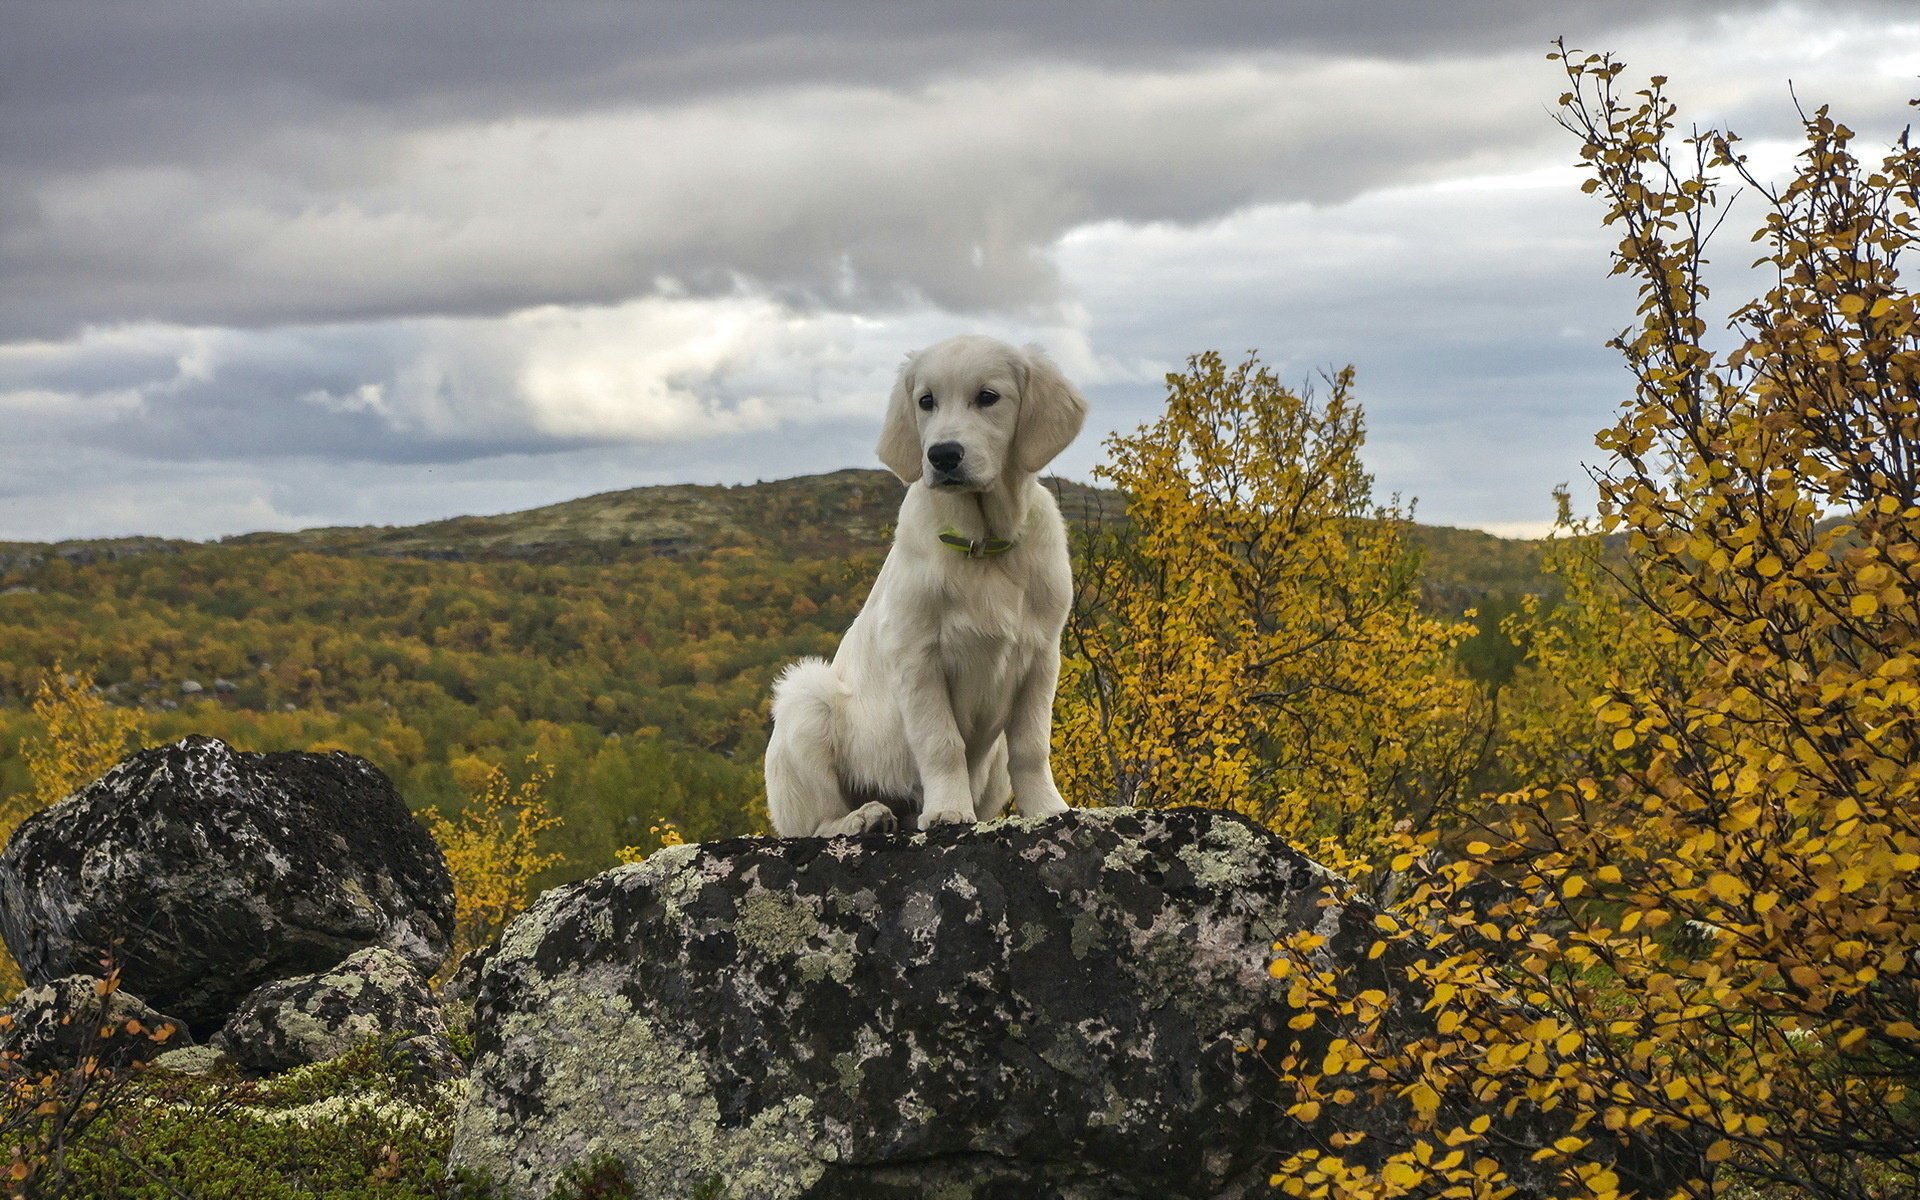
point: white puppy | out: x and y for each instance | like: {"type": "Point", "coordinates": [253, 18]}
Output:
{"type": "Point", "coordinates": [940, 699]}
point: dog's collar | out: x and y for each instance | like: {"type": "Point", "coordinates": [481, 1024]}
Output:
{"type": "Point", "coordinates": [974, 547]}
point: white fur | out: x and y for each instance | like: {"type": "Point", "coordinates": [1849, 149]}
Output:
{"type": "Point", "coordinates": [940, 699]}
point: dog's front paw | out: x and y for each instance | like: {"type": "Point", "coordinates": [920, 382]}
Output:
{"type": "Point", "coordinates": [1041, 800]}
{"type": "Point", "coordinates": [872, 817]}
{"type": "Point", "coordinates": [945, 816]}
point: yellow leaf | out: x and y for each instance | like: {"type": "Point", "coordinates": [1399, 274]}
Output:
{"type": "Point", "coordinates": [1401, 1174]}
{"type": "Point", "coordinates": [1726, 887]}
{"type": "Point", "coordinates": [1425, 1101]}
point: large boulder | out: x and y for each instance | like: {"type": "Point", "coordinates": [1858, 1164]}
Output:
{"type": "Point", "coordinates": [1063, 1008]}
{"type": "Point", "coordinates": [54, 1026]}
{"type": "Point", "coordinates": [312, 1018]}
{"type": "Point", "coordinates": [203, 872]}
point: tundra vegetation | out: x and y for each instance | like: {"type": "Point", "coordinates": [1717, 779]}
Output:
{"type": "Point", "coordinates": [1641, 805]}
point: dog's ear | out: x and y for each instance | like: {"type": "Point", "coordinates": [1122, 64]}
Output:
{"type": "Point", "coordinates": [899, 447]}
{"type": "Point", "coordinates": [1051, 413]}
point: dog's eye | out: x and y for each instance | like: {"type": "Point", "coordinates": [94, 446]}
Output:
{"type": "Point", "coordinates": [986, 399]}
{"type": "Point", "coordinates": [927, 402]}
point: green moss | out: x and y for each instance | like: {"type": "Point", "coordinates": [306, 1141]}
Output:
{"type": "Point", "coordinates": [364, 1125]}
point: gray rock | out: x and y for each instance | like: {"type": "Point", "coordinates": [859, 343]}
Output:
{"type": "Point", "coordinates": [1058, 1008]}
{"type": "Point", "coordinates": [204, 872]}
{"type": "Point", "coordinates": [52, 1026]}
{"type": "Point", "coordinates": [373, 993]}
{"type": "Point", "coordinates": [190, 687]}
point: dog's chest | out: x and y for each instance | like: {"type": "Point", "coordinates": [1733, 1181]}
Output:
{"type": "Point", "coordinates": [990, 619]}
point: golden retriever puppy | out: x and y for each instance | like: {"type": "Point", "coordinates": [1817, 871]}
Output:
{"type": "Point", "coordinates": [939, 704]}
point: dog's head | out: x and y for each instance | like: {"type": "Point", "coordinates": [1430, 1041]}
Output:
{"type": "Point", "coordinates": [970, 410]}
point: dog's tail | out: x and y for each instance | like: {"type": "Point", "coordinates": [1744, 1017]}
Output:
{"type": "Point", "coordinates": [804, 692]}
{"type": "Point", "coordinates": [803, 789]}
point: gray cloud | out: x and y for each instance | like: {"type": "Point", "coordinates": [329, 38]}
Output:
{"type": "Point", "coordinates": [233, 163]}
{"type": "Point", "coordinates": [280, 265]}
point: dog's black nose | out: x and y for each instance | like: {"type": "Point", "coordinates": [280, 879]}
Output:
{"type": "Point", "coordinates": [945, 456]}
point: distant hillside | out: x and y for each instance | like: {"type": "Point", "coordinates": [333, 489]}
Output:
{"type": "Point", "coordinates": [628, 638]}
{"type": "Point", "coordinates": [812, 516]}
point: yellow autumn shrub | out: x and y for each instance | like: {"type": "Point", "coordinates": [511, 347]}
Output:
{"type": "Point", "coordinates": [1249, 636]}
{"type": "Point", "coordinates": [492, 847]}
{"type": "Point", "coordinates": [664, 833]}
{"type": "Point", "coordinates": [80, 737]}
{"type": "Point", "coordinates": [1696, 928]}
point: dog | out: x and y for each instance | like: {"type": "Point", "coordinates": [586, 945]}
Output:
{"type": "Point", "coordinates": [938, 706]}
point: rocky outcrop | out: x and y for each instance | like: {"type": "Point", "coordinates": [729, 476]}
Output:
{"type": "Point", "coordinates": [1062, 1008]}
{"type": "Point", "coordinates": [312, 1018]}
{"type": "Point", "coordinates": [203, 872]}
{"type": "Point", "coordinates": [58, 1024]}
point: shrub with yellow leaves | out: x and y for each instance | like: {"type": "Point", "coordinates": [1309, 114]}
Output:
{"type": "Point", "coordinates": [81, 737]}
{"type": "Point", "coordinates": [1249, 635]}
{"type": "Point", "coordinates": [664, 833]}
{"type": "Point", "coordinates": [1696, 933]}
{"type": "Point", "coordinates": [492, 848]}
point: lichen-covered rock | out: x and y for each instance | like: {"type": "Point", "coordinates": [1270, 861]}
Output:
{"type": "Point", "coordinates": [1063, 1008]}
{"type": "Point", "coordinates": [205, 872]}
{"type": "Point", "coordinates": [192, 1060]}
{"type": "Point", "coordinates": [53, 1026]}
{"type": "Point", "coordinates": [373, 993]}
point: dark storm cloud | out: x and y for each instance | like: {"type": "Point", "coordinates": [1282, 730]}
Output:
{"type": "Point", "coordinates": [248, 164]}
{"type": "Point", "coordinates": [86, 81]}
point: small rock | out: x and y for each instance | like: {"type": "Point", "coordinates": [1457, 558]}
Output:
{"type": "Point", "coordinates": [190, 687]}
{"type": "Point", "coordinates": [374, 993]}
{"type": "Point", "coordinates": [433, 1057]}
{"type": "Point", "coordinates": [225, 687]}
{"type": "Point", "coordinates": [51, 1027]}
{"type": "Point", "coordinates": [459, 986]}
{"type": "Point", "coordinates": [207, 872]}
{"type": "Point", "coordinates": [192, 1060]}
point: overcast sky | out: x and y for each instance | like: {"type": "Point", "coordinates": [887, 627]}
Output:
{"type": "Point", "coordinates": [291, 264]}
